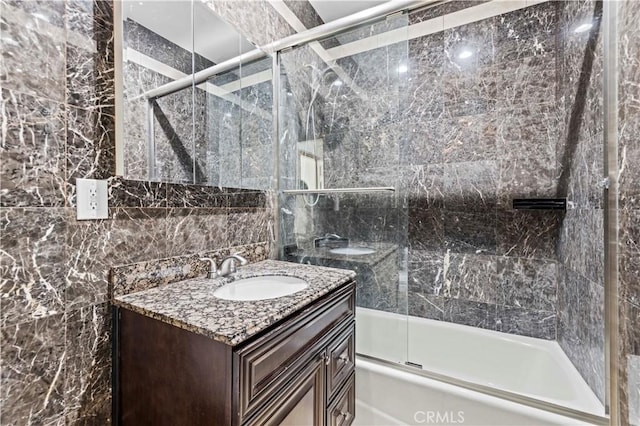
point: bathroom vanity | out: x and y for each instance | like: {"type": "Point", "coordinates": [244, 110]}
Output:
{"type": "Point", "coordinates": [185, 356]}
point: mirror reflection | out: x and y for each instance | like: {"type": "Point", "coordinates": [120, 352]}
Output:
{"type": "Point", "coordinates": [216, 132]}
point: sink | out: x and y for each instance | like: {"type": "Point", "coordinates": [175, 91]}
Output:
{"type": "Point", "coordinates": [354, 251]}
{"type": "Point", "coordinates": [261, 288]}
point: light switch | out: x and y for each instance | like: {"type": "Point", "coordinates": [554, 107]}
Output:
{"type": "Point", "coordinates": [92, 199]}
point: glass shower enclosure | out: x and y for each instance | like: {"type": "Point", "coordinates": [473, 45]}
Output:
{"type": "Point", "coordinates": [453, 157]}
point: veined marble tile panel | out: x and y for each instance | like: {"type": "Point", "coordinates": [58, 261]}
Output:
{"type": "Point", "coordinates": [33, 366]}
{"type": "Point", "coordinates": [194, 230]}
{"type": "Point", "coordinates": [629, 122]}
{"type": "Point", "coordinates": [581, 243]}
{"type": "Point", "coordinates": [249, 225]}
{"type": "Point", "coordinates": [421, 187]}
{"type": "Point", "coordinates": [527, 283]}
{"type": "Point", "coordinates": [131, 235]}
{"type": "Point", "coordinates": [470, 186]}
{"type": "Point", "coordinates": [581, 327]}
{"type": "Point", "coordinates": [90, 150]}
{"type": "Point", "coordinates": [468, 138]}
{"type": "Point", "coordinates": [633, 363]}
{"type": "Point", "coordinates": [526, 32]}
{"type": "Point", "coordinates": [629, 222]}
{"type": "Point", "coordinates": [135, 193]}
{"type": "Point", "coordinates": [32, 263]}
{"type": "Point", "coordinates": [33, 48]}
{"type": "Point", "coordinates": [528, 234]}
{"type": "Point", "coordinates": [470, 231]}
{"type": "Point", "coordinates": [88, 366]}
{"type": "Point", "coordinates": [524, 322]}
{"type": "Point", "coordinates": [469, 277]}
{"type": "Point", "coordinates": [525, 178]}
{"type": "Point", "coordinates": [426, 229]}
{"type": "Point", "coordinates": [33, 149]}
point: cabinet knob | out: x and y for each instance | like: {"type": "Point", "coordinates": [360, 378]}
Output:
{"type": "Point", "coordinates": [345, 359]}
{"type": "Point", "coordinates": [325, 358]}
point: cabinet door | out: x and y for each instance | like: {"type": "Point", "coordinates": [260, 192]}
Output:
{"type": "Point", "coordinates": [301, 402]}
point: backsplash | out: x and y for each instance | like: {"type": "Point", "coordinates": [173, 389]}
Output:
{"type": "Point", "coordinates": [126, 279]}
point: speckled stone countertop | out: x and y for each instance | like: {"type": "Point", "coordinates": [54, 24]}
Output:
{"type": "Point", "coordinates": [191, 305]}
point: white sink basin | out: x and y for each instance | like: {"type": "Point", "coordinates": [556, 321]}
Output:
{"type": "Point", "coordinates": [261, 288]}
{"type": "Point", "coordinates": [354, 251]}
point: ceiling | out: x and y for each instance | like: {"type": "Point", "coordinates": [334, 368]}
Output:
{"type": "Point", "coordinates": [330, 10]}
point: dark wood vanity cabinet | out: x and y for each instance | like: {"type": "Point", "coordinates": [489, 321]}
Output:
{"type": "Point", "coordinates": [297, 372]}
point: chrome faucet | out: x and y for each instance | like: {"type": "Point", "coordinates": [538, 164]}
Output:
{"type": "Point", "coordinates": [227, 266]}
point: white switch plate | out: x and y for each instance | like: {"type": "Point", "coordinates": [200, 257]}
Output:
{"type": "Point", "coordinates": [92, 199]}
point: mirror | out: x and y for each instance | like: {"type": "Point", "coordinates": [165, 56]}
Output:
{"type": "Point", "coordinates": [217, 132]}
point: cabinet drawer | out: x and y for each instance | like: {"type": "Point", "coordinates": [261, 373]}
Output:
{"type": "Point", "coordinates": [267, 363]}
{"type": "Point", "coordinates": [341, 354]}
{"type": "Point", "coordinates": [342, 411]}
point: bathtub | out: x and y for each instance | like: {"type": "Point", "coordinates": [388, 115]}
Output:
{"type": "Point", "coordinates": [525, 366]}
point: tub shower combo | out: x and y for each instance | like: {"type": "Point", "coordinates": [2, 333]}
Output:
{"type": "Point", "coordinates": [452, 155]}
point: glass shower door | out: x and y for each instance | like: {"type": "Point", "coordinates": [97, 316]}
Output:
{"type": "Point", "coordinates": [341, 104]}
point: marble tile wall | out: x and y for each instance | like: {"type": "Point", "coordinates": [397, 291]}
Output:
{"type": "Point", "coordinates": [629, 215]}
{"type": "Point", "coordinates": [55, 348]}
{"type": "Point", "coordinates": [482, 130]}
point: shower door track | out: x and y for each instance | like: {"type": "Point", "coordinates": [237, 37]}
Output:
{"type": "Point", "coordinates": [487, 390]}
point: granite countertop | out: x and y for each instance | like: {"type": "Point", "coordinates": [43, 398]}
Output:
{"type": "Point", "coordinates": [191, 305]}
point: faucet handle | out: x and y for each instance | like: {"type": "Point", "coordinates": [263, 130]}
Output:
{"type": "Point", "coordinates": [213, 267]}
{"type": "Point", "coordinates": [243, 261]}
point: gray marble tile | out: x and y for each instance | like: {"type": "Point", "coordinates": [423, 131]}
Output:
{"type": "Point", "coordinates": [528, 234]}
{"type": "Point", "coordinates": [526, 81]}
{"type": "Point", "coordinates": [528, 284]}
{"type": "Point", "coordinates": [422, 187]}
{"type": "Point", "coordinates": [33, 149]}
{"type": "Point", "coordinates": [468, 138]}
{"type": "Point", "coordinates": [248, 225]}
{"type": "Point", "coordinates": [580, 327]}
{"type": "Point", "coordinates": [469, 277]}
{"type": "Point", "coordinates": [526, 32]}
{"type": "Point", "coordinates": [134, 193]}
{"type": "Point", "coordinates": [525, 178]}
{"type": "Point", "coordinates": [305, 13]}
{"type": "Point", "coordinates": [88, 366]}
{"type": "Point", "coordinates": [425, 305]}
{"type": "Point", "coordinates": [629, 119]}
{"type": "Point", "coordinates": [90, 60]}
{"type": "Point", "coordinates": [528, 131]}
{"type": "Point", "coordinates": [523, 322]}
{"type": "Point", "coordinates": [34, 39]}
{"type": "Point", "coordinates": [470, 232]}
{"type": "Point", "coordinates": [470, 186]}
{"type": "Point", "coordinates": [32, 264]}
{"type": "Point", "coordinates": [581, 243]}
{"type": "Point", "coordinates": [197, 196]}
{"type": "Point", "coordinates": [474, 314]}
{"type": "Point", "coordinates": [439, 10]}
{"type": "Point", "coordinates": [131, 235]}
{"type": "Point", "coordinates": [33, 365]}
{"type": "Point", "coordinates": [633, 363]}
{"type": "Point", "coordinates": [629, 222]}
{"type": "Point", "coordinates": [425, 98]}
{"type": "Point", "coordinates": [426, 272]}
{"type": "Point", "coordinates": [90, 147]}
{"type": "Point", "coordinates": [426, 229]}
{"type": "Point", "coordinates": [194, 230]}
